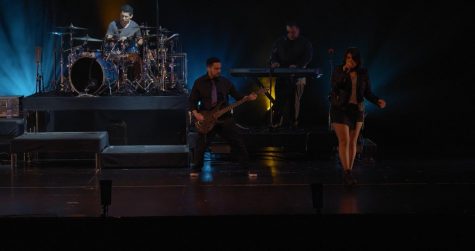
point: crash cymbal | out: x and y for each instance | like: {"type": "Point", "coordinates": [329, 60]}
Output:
{"type": "Point", "coordinates": [72, 27]}
{"type": "Point", "coordinates": [59, 33]}
{"type": "Point", "coordinates": [87, 38]}
{"type": "Point", "coordinates": [173, 36]}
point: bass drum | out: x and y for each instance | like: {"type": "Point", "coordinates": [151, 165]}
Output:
{"type": "Point", "coordinates": [92, 74]}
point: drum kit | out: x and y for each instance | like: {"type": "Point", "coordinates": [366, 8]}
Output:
{"type": "Point", "coordinates": [114, 66]}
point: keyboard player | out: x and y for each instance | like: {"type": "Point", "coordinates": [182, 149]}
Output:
{"type": "Point", "coordinates": [290, 51]}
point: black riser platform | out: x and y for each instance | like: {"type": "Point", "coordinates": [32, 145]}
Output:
{"type": "Point", "coordinates": [145, 156]}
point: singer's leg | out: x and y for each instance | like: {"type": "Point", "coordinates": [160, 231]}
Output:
{"type": "Point", "coordinates": [343, 134]}
{"type": "Point", "coordinates": [354, 134]}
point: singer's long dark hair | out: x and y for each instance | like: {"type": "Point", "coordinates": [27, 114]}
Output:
{"type": "Point", "coordinates": [355, 53]}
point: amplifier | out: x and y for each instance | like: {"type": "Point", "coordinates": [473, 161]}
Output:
{"type": "Point", "coordinates": [10, 106]}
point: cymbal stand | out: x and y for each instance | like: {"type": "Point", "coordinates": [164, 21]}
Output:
{"type": "Point", "coordinates": [162, 60]}
{"type": "Point", "coordinates": [146, 76]}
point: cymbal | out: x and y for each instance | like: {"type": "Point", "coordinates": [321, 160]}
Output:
{"type": "Point", "coordinates": [162, 36]}
{"type": "Point", "coordinates": [161, 29]}
{"type": "Point", "coordinates": [74, 48]}
{"type": "Point", "coordinates": [72, 27]}
{"type": "Point", "coordinates": [59, 33]}
{"type": "Point", "coordinates": [118, 39]}
{"type": "Point", "coordinates": [164, 30]}
{"type": "Point", "coordinates": [87, 38]}
{"type": "Point", "coordinates": [149, 35]}
{"type": "Point", "coordinates": [173, 36]}
{"type": "Point", "coordinates": [147, 27]}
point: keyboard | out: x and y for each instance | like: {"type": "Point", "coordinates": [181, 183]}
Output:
{"type": "Point", "coordinates": [276, 72]}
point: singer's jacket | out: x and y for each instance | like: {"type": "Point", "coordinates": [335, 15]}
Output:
{"type": "Point", "coordinates": [341, 87]}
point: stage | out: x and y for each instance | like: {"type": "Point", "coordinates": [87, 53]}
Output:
{"type": "Point", "coordinates": [417, 196]}
{"type": "Point", "coordinates": [146, 150]}
{"type": "Point", "coordinates": [283, 187]}
{"type": "Point", "coordinates": [98, 144]}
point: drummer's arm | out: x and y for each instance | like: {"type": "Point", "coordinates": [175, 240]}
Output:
{"type": "Point", "coordinates": [139, 37]}
{"type": "Point", "coordinates": [110, 31]}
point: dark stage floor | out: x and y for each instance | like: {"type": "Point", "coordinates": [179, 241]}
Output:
{"type": "Point", "coordinates": [412, 186]}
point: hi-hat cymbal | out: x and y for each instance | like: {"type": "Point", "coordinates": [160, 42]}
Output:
{"type": "Point", "coordinates": [149, 35]}
{"type": "Point", "coordinates": [72, 27]}
{"type": "Point", "coordinates": [87, 38]}
{"type": "Point", "coordinates": [147, 27]}
{"type": "Point", "coordinates": [161, 29]}
{"type": "Point", "coordinates": [164, 37]}
{"type": "Point", "coordinates": [164, 30]}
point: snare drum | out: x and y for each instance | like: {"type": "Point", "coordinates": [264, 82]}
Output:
{"type": "Point", "coordinates": [92, 54]}
{"type": "Point", "coordinates": [117, 47]}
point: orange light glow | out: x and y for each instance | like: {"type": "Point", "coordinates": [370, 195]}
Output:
{"type": "Point", "coordinates": [110, 10]}
{"type": "Point", "coordinates": [266, 83]}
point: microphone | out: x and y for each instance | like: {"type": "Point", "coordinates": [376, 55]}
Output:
{"type": "Point", "coordinates": [345, 69]}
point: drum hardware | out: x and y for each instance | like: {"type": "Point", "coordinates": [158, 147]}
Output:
{"type": "Point", "coordinates": [147, 75]}
{"type": "Point", "coordinates": [66, 31]}
{"type": "Point", "coordinates": [39, 76]}
{"type": "Point", "coordinates": [120, 66]}
{"type": "Point", "coordinates": [124, 84]}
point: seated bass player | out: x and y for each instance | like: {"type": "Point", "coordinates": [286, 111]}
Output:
{"type": "Point", "coordinates": [211, 91]}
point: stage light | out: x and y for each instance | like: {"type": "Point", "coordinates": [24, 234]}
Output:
{"type": "Point", "coordinates": [207, 173]}
{"type": "Point", "coordinates": [25, 26]}
{"type": "Point", "coordinates": [110, 10]}
{"type": "Point", "coordinates": [266, 83]}
{"type": "Point", "coordinates": [271, 163]}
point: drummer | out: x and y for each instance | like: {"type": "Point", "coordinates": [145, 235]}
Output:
{"type": "Point", "coordinates": [125, 29]}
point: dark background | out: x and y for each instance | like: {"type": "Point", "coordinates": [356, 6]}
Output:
{"type": "Point", "coordinates": [419, 56]}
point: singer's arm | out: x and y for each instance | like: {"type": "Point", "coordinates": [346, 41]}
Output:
{"type": "Point", "coordinates": [339, 78]}
{"type": "Point", "coordinates": [368, 93]}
